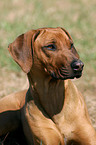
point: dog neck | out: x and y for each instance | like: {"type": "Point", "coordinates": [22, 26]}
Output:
{"type": "Point", "coordinates": [46, 91]}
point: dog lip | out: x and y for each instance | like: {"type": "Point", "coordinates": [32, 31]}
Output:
{"type": "Point", "coordinates": [77, 75]}
{"type": "Point", "coordinates": [63, 74]}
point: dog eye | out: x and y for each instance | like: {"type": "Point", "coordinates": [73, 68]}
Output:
{"type": "Point", "coordinates": [72, 45]}
{"type": "Point", "coordinates": [51, 47]}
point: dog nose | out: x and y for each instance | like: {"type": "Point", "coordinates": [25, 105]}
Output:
{"type": "Point", "coordinates": [77, 66]}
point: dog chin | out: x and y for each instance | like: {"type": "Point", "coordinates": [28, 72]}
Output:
{"type": "Point", "coordinates": [61, 77]}
{"type": "Point", "coordinates": [76, 76]}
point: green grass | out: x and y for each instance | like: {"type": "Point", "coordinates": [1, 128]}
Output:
{"type": "Point", "coordinates": [78, 17]}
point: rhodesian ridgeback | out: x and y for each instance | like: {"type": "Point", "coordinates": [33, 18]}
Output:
{"type": "Point", "coordinates": [52, 111]}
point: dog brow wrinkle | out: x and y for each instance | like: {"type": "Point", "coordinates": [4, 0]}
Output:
{"type": "Point", "coordinates": [66, 33]}
{"type": "Point", "coordinates": [36, 35]}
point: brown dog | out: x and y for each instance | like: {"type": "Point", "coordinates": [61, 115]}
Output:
{"type": "Point", "coordinates": [53, 111]}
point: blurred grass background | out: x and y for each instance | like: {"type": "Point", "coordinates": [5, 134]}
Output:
{"type": "Point", "coordinates": [76, 16]}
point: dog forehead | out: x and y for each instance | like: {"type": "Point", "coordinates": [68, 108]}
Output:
{"type": "Point", "coordinates": [56, 33]}
{"type": "Point", "coordinates": [52, 35]}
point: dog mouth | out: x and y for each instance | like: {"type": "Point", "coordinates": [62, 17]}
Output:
{"type": "Point", "coordinates": [64, 74]}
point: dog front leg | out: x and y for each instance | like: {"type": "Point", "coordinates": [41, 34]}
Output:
{"type": "Point", "coordinates": [39, 127]}
{"type": "Point", "coordinates": [10, 108]}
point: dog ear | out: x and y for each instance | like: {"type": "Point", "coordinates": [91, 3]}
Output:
{"type": "Point", "coordinates": [22, 50]}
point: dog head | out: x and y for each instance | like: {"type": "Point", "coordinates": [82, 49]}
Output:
{"type": "Point", "coordinates": [50, 50]}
